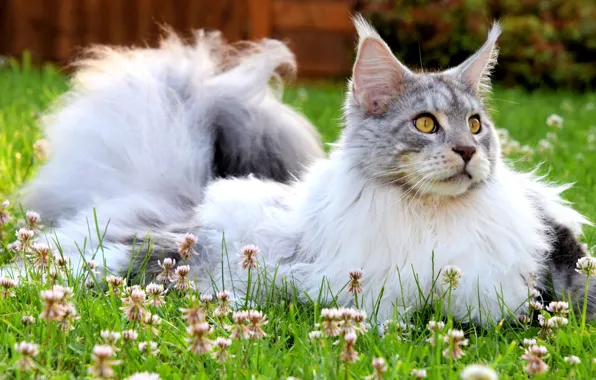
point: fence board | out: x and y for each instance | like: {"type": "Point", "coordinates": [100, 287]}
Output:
{"type": "Point", "coordinates": [259, 14]}
{"type": "Point", "coordinates": [325, 15]}
{"type": "Point", "coordinates": [66, 38]}
{"type": "Point", "coordinates": [320, 31]}
{"type": "Point", "coordinates": [320, 54]}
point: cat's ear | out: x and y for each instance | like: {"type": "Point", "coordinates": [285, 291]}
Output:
{"type": "Point", "coordinates": [377, 75]}
{"type": "Point", "coordinates": [475, 71]}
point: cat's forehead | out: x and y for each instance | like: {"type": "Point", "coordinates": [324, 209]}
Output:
{"type": "Point", "coordinates": [441, 93]}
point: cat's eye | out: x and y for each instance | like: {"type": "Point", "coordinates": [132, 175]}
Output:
{"type": "Point", "coordinates": [425, 124]}
{"type": "Point", "coordinates": [474, 124]}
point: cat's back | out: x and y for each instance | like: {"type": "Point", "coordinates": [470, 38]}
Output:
{"type": "Point", "coordinates": [248, 210]}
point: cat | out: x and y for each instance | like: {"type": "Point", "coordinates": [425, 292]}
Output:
{"type": "Point", "coordinates": [415, 183]}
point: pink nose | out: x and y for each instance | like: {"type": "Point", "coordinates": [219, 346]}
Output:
{"type": "Point", "coordinates": [466, 152]}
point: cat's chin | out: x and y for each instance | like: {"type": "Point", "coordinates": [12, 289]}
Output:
{"type": "Point", "coordinates": [454, 186]}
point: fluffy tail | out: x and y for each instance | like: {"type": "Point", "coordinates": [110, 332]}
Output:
{"type": "Point", "coordinates": [164, 121]}
{"type": "Point", "coordinates": [563, 280]}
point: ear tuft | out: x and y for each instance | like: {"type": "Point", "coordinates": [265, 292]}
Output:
{"type": "Point", "coordinates": [475, 72]}
{"type": "Point", "coordinates": [377, 75]}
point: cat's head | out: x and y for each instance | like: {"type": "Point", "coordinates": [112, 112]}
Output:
{"type": "Point", "coordinates": [429, 133]}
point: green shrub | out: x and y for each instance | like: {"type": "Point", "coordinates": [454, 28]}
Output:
{"type": "Point", "coordinates": [545, 43]}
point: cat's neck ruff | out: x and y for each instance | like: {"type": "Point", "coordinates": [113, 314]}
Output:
{"type": "Point", "coordinates": [493, 233]}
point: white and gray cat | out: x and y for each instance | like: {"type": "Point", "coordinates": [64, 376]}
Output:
{"type": "Point", "coordinates": [163, 141]}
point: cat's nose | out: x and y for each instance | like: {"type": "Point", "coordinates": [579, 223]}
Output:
{"type": "Point", "coordinates": [466, 152]}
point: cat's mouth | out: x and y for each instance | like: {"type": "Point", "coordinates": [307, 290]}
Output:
{"type": "Point", "coordinates": [458, 177]}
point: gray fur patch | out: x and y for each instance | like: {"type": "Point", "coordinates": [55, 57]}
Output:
{"type": "Point", "coordinates": [561, 279]}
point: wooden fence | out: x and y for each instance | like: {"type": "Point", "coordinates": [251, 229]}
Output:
{"type": "Point", "coordinates": [318, 31]}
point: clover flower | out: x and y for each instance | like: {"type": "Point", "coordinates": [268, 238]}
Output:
{"type": "Point", "coordinates": [199, 338]}
{"type": "Point", "coordinates": [249, 255]}
{"type": "Point", "coordinates": [182, 283]}
{"type": "Point", "coordinates": [42, 256]}
{"type": "Point", "coordinates": [349, 354]}
{"type": "Point", "coordinates": [535, 305]}
{"type": "Point", "coordinates": [451, 276]}
{"type": "Point", "coordinates": [558, 308]}
{"type": "Point", "coordinates": [435, 327]}
{"type": "Point", "coordinates": [134, 308]}
{"type": "Point", "coordinates": [102, 362]}
{"type": "Point", "coordinates": [115, 283]}
{"type": "Point", "coordinates": [380, 367]}
{"type": "Point", "coordinates": [554, 120]}
{"type": "Point", "coordinates": [587, 266]}
{"type": "Point", "coordinates": [535, 356]}
{"type": "Point", "coordinates": [355, 285]}
{"type": "Point", "coordinates": [479, 372]}
{"type": "Point", "coordinates": [8, 286]}
{"type": "Point", "coordinates": [110, 338]}
{"type": "Point", "coordinates": [455, 340]}
{"type": "Point", "coordinates": [144, 376]}
{"type": "Point", "coordinates": [315, 335]}
{"type": "Point", "coordinates": [221, 346]}
{"type": "Point", "coordinates": [167, 274]}
{"type": "Point", "coordinates": [27, 351]}
{"type": "Point", "coordinates": [240, 329]}
{"type": "Point", "coordinates": [256, 321]}
{"type": "Point", "coordinates": [156, 294]}
{"type": "Point", "coordinates": [4, 216]}
{"type": "Point", "coordinates": [224, 303]}
{"type": "Point", "coordinates": [148, 348]}
{"type": "Point", "coordinates": [129, 335]}
{"type": "Point", "coordinates": [33, 220]}
{"type": "Point", "coordinates": [152, 321]}
{"type": "Point", "coordinates": [185, 248]}
{"type": "Point", "coordinates": [27, 320]}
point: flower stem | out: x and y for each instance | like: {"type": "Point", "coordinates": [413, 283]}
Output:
{"type": "Point", "coordinates": [246, 298]}
{"type": "Point", "coordinates": [585, 308]}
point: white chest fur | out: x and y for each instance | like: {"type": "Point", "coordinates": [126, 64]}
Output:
{"type": "Point", "coordinates": [335, 221]}
{"type": "Point", "coordinates": [494, 235]}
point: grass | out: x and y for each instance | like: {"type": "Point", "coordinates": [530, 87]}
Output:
{"type": "Point", "coordinates": [286, 351]}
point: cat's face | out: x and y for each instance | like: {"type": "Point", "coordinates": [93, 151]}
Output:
{"type": "Point", "coordinates": [427, 133]}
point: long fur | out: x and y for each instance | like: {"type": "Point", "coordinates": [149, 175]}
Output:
{"type": "Point", "coordinates": [165, 121]}
{"type": "Point", "coordinates": [143, 155]}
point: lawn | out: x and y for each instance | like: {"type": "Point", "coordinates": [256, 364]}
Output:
{"type": "Point", "coordinates": [567, 154]}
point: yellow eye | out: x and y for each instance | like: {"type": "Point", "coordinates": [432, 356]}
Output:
{"type": "Point", "coordinates": [425, 124]}
{"type": "Point", "coordinates": [474, 124]}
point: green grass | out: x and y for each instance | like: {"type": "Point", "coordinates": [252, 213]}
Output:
{"type": "Point", "coordinates": [286, 351]}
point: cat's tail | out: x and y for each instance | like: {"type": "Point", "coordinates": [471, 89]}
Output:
{"type": "Point", "coordinates": [161, 122]}
{"type": "Point", "coordinates": [562, 278]}
{"type": "Point", "coordinates": [565, 278]}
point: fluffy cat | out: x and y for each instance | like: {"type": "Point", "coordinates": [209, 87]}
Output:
{"type": "Point", "coordinates": [416, 179]}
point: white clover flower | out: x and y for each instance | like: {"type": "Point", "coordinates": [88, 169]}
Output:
{"type": "Point", "coordinates": [249, 255]}
{"type": "Point", "coordinates": [315, 335]}
{"type": "Point", "coordinates": [529, 342]}
{"type": "Point", "coordinates": [544, 146]}
{"type": "Point", "coordinates": [558, 307]}
{"type": "Point", "coordinates": [572, 360]}
{"type": "Point", "coordinates": [451, 275]}
{"type": "Point", "coordinates": [418, 373]}
{"type": "Point", "coordinates": [587, 266]}
{"type": "Point", "coordinates": [479, 372]}
{"type": "Point", "coordinates": [186, 246]}
{"type": "Point", "coordinates": [27, 351]}
{"type": "Point", "coordinates": [144, 376]}
{"type": "Point", "coordinates": [554, 120]}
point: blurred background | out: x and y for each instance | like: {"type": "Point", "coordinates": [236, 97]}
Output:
{"type": "Point", "coordinates": [546, 43]}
